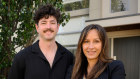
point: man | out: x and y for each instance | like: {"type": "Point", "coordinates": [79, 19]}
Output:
{"type": "Point", "coordinates": [46, 58]}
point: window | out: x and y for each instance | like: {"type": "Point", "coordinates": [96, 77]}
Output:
{"type": "Point", "coordinates": [73, 51]}
{"type": "Point", "coordinates": [119, 5]}
{"type": "Point", "coordinates": [71, 48]}
{"type": "Point", "coordinates": [114, 8]}
{"type": "Point", "coordinates": [76, 5]}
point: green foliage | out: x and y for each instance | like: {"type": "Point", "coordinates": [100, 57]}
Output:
{"type": "Point", "coordinates": [17, 28]}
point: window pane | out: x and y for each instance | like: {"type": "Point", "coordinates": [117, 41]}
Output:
{"type": "Point", "coordinates": [119, 5]}
{"type": "Point", "coordinates": [73, 51]}
{"type": "Point", "coordinates": [71, 48]}
{"type": "Point", "coordinates": [76, 5]}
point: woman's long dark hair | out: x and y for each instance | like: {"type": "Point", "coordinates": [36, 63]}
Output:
{"type": "Point", "coordinates": [81, 63]}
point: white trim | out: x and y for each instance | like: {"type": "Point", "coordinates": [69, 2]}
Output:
{"type": "Point", "coordinates": [70, 1]}
{"type": "Point", "coordinates": [80, 12]}
{"type": "Point", "coordinates": [71, 47]}
{"type": "Point", "coordinates": [138, 6]}
{"type": "Point", "coordinates": [121, 34]}
{"type": "Point", "coordinates": [66, 33]}
{"type": "Point", "coordinates": [115, 57]}
{"type": "Point", "coordinates": [117, 21]}
{"type": "Point", "coordinates": [112, 47]}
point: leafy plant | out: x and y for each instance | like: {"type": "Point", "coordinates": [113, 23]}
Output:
{"type": "Point", "coordinates": [17, 28]}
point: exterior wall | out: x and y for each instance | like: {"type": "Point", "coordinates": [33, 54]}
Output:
{"type": "Point", "coordinates": [120, 34]}
{"type": "Point", "coordinates": [127, 18]}
{"type": "Point", "coordinates": [80, 12]}
{"type": "Point", "coordinates": [75, 24]}
{"type": "Point", "coordinates": [106, 12]}
{"type": "Point", "coordinates": [68, 39]}
{"type": "Point", "coordinates": [101, 9]}
{"type": "Point", "coordinates": [69, 35]}
{"type": "Point", "coordinates": [95, 9]}
{"type": "Point", "coordinates": [127, 52]}
{"type": "Point", "coordinates": [127, 33]}
{"type": "Point", "coordinates": [99, 12]}
{"type": "Point", "coordinates": [116, 21]}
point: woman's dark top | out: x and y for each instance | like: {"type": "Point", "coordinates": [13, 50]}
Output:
{"type": "Point", "coordinates": [114, 70]}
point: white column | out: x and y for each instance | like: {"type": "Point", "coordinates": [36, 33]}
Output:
{"type": "Point", "coordinates": [112, 47]}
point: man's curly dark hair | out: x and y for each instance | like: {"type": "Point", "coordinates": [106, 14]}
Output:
{"type": "Point", "coordinates": [46, 11]}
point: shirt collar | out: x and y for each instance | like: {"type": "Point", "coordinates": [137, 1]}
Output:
{"type": "Point", "coordinates": [59, 53]}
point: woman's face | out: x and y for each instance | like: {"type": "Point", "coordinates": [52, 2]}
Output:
{"type": "Point", "coordinates": [92, 45]}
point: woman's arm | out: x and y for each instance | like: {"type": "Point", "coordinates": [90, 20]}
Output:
{"type": "Point", "coordinates": [117, 70]}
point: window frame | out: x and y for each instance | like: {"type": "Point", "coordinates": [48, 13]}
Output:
{"type": "Point", "coordinates": [106, 9]}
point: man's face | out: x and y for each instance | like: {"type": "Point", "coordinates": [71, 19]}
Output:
{"type": "Point", "coordinates": [47, 28]}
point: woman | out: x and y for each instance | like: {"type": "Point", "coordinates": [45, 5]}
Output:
{"type": "Point", "coordinates": [92, 61]}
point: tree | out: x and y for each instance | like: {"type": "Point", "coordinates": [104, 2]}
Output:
{"type": "Point", "coordinates": [17, 28]}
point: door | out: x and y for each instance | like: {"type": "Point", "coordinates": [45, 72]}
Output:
{"type": "Point", "coordinates": [128, 51]}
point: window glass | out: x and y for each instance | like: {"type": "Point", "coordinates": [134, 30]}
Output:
{"type": "Point", "coordinates": [71, 48]}
{"type": "Point", "coordinates": [73, 51]}
{"type": "Point", "coordinates": [119, 5]}
{"type": "Point", "coordinates": [76, 5]}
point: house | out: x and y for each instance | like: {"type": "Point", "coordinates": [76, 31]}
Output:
{"type": "Point", "coordinates": [121, 20]}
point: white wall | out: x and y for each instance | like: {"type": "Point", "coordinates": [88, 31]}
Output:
{"type": "Point", "coordinates": [69, 34]}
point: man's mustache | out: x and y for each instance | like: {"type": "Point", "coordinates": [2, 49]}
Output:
{"type": "Point", "coordinates": [48, 30]}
